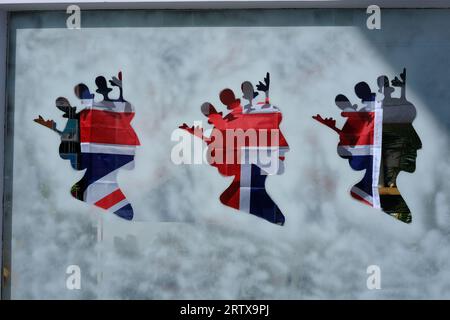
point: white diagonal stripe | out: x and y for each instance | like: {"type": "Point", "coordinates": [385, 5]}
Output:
{"type": "Point", "coordinates": [104, 186]}
{"type": "Point", "coordinates": [377, 145]}
{"type": "Point", "coordinates": [362, 194]}
{"type": "Point", "coordinates": [118, 205]}
{"type": "Point", "coordinates": [360, 150]}
{"type": "Point", "coordinates": [124, 149]}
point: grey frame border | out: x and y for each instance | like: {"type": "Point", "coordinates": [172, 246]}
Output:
{"type": "Point", "coordinates": [218, 4]}
{"type": "Point", "coordinates": [21, 5]}
{"type": "Point", "coordinates": [4, 242]}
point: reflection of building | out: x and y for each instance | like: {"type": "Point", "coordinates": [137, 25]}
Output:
{"type": "Point", "coordinates": [399, 152]}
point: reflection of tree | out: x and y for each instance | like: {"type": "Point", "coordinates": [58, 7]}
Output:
{"type": "Point", "coordinates": [399, 151]}
{"type": "Point", "coordinates": [392, 154]}
{"type": "Point", "coordinates": [400, 210]}
{"type": "Point", "coordinates": [75, 189]}
{"type": "Point", "coordinates": [400, 144]}
{"type": "Point", "coordinates": [404, 216]}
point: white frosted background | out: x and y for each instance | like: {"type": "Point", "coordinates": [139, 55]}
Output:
{"type": "Point", "coordinates": [207, 250]}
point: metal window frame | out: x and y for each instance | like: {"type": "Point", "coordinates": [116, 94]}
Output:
{"type": "Point", "coordinates": [22, 5]}
{"type": "Point", "coordinates": [4, 238]}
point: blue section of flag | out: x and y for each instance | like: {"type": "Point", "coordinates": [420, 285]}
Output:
{"type": "Point", "coordinates": [261, 204]}
{"type": "Point", "coordinates": [126, 212]}
{"type": "Point", "coordinates": [364, 163]}
{"type": "Point", "coordinates": [99, 165]}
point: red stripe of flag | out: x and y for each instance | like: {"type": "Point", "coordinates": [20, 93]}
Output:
{"type": "Point", "coordinates": [110, 200]}
{"type": "Point", "coordinates": [358, 130]}
{"type": "Point", "coordinates": [358, 197]}
{"type": "Point", "coordinates": [107, 127]}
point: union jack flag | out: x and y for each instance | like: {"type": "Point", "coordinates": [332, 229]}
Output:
{"type": "Point", "coordinates": [248, 145]}
{"type": "Point", "coordinates": [361, 143]}
{"type": "Point", "coordinates": [380, 139]}
{"type": "Point", "coordinates": [100, 140]}
{"type": "Point", "coordinates": [108, 144]}
{"type": "Point", "coordinates": [247, 192]}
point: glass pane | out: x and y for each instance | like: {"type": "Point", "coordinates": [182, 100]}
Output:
{"type": "Point", "coordinates": [183, 242]}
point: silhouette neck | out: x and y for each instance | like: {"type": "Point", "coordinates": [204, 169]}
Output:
{"type": "Point", "coordinates": [250, 195]}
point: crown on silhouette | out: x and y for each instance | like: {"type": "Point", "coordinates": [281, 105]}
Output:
{"type": "Point", "coordinates": [395, 110]}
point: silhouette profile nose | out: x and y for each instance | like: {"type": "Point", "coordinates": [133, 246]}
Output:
{"type": "Point", "coordinates": [417, 141]}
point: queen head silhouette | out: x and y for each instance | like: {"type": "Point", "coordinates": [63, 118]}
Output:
{"type": "Point", "coordinates": [248, 145]}
{"type": "Point", "coordinates": [100, 140]}
{"type": "Point", "coordinates": [380, 139]}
